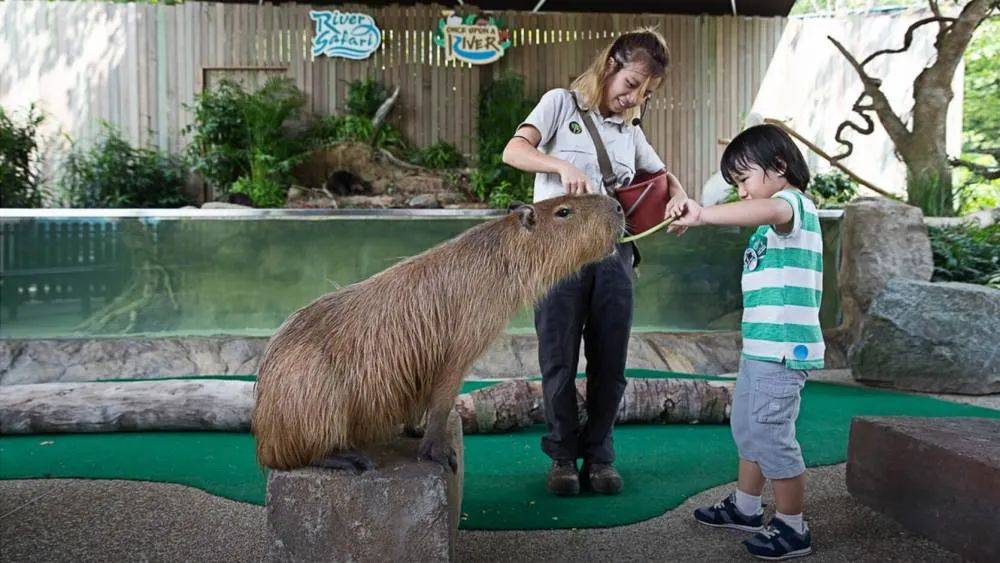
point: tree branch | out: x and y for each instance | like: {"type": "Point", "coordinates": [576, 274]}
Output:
{"type": "Point", "coordinates": [988, 172]}
{"type": "Point", "coordinates": [894, 126]}
{"type": "Point", "coordinates": [908, 37]}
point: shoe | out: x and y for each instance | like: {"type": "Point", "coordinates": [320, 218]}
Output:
{"type": "Point", "coordinates": [779, 541]}
{"type": "Point", "coordinates": [600, 478]}
{"type": "Point", "coordinates": [724, 514]}
{"type": "Point", "coordinates": [563, 479]}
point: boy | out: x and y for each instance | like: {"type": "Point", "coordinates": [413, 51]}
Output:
{"type": "Point", "coordinates": [782, 289]}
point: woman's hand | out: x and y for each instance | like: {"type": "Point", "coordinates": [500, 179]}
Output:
{"type": "Point", "coordinates": [675, 209]}
{"type": "Point", "coordinates": [573, 179]}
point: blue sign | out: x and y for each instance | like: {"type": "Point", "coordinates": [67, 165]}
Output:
{"type": "Point", "coordinates": [348, 35]}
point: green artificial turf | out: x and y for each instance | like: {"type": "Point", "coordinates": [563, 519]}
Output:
{"type": "Point", "coordinates": [504, 473]}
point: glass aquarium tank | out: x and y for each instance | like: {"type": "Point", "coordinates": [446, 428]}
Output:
{"type": "Point", "coordinates": [115, 273]}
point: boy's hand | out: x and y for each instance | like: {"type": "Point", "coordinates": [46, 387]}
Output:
{"type": "Point", "coordinates": [690, 215]}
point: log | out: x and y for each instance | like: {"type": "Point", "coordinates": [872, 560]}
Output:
{"type": "Point", "coordinates": [165, 405]}
{"type": "Point", "coordinates": [129, 406]}
{"type": "Point", "coordinates": [518, 403]}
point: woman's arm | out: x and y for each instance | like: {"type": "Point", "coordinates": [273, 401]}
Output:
{"type": "Point", "coordinates": [522, 153]}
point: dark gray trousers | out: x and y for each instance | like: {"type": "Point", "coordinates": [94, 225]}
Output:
{"type": "Point", "coordinates": [595, 304]}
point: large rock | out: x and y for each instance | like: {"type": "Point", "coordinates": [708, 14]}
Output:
{"type": "Point", "coordinates": [880, 239]}
{"type": "Point", "coordinates": [936, 337]}
{"type": "Point", "coordinates": [403, 510]}
{"type": "Point", "coordinates": [939, 477]}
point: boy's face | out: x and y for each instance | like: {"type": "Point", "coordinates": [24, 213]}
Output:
{"type": "Point", "coordinates": [756, 183]}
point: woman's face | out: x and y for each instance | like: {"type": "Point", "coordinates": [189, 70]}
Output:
{"type": "Point", "coordinates": [622, 90]}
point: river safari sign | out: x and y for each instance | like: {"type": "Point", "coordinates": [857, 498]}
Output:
{"type": "Point", "coordinates": [473, 38]}
{"type": "Point", "coordinates": [344, 34]}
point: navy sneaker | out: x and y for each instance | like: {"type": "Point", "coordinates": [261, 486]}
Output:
{"type": "Point", "coordinates": [779, 541]}
{"type": "Point", "coordinates": [724, 514]}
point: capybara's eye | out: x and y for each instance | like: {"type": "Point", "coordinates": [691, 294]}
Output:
{"type": "Point", "coordinates": [563, 212]}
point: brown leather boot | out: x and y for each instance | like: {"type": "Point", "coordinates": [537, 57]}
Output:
{"type": "Point", "coordinates": [601, 478]}
{"type": "Point", "coordinates": [563, 479]}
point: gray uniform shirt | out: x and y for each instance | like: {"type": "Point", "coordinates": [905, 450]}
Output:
{"type": "Point", "coordinates": [565, 136]}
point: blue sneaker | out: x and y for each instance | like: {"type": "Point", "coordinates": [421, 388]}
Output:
{"type": "Point", "coordinates": [779, 541]}
{"type": "Point", "coordinates": [724, 514]}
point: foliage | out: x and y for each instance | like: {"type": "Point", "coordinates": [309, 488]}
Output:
{"type": "Point", "coordinates": [20, 182]}
{"type": "Point", "coordinates": [439, 155]}
{"type": "Point", "coordinates": [502, 107]}
{"type": "Point", "coordinates": [113, 174]}
{"type": "Point", "coordinates": [981, 116]}
{"type": "Point", "coordinates": [332, 129]}
{"type": "Point", "coordinates": [968, 254]}
{"type": "Point", "coordinates": [364, 97]}
{"type": "Point", "coordinates": [929, 192]}
{"type": "Point", "coordinates": [241, 136]}
{"type": "Point", "coordinates": [833, 189]}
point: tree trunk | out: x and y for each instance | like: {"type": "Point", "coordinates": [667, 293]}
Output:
{"type": "Point", "coordinates": [518, 403]}
{"type": "Point", "coordinates": [922, 147]}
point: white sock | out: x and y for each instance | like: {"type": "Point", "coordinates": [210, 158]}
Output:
{"type": "Point", "coordinates": [747, 504]}
{"type": "Point", "coordinates": [793, 520]}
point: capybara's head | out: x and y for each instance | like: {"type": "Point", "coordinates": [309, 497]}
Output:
{"type": "Point", "coordinates": [570, 231]}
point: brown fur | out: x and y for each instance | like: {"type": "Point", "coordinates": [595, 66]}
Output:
{"type": "Point", "coordinates": [348, 369]}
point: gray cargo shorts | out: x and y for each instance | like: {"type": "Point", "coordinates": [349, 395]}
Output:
{"type": "Point", "coordinates": [765, 407]}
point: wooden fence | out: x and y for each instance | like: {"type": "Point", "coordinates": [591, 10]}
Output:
{"type": "Point", "coordinates": [137, 66]}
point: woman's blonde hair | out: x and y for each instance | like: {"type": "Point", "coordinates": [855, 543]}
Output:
{"type": "Point", "coordinates": [644, 46]}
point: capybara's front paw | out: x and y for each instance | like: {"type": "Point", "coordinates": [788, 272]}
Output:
{"type": "Point", "coordinates": [438, 451]}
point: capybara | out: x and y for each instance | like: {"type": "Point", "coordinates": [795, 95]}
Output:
{"type": "Point", "coordinates": [348, 369]}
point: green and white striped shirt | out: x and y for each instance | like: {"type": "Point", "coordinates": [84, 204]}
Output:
{"type": "Point", "coordinates": [782, 289]}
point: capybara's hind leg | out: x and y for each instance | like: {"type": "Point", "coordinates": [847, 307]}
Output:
{"type": "Point", "coordinates": [414, 427]}
{"type": "Point", "coordinates": [347, 460]}
{"type": "Point", "coordinates": [436, 446]}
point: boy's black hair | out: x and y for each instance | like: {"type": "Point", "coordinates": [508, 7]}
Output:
{"type": "Point", "coordinates": [769, 147]}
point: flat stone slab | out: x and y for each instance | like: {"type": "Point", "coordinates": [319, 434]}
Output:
{"type": "Point", "coordinates": [939, 477]}
{"type": "Point", "coordinates": [403, 510]}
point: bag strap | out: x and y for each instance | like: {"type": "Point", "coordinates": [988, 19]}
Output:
{"type": "Point", "coordinates": [607, 176]}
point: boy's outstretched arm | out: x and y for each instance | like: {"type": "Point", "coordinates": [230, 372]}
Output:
{"type": "Point", "coordinates": [747, 213]}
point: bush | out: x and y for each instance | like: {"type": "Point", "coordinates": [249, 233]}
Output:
{"type": "Point", "coordinates": [240, 136]}
{"type": "Point", "coordinates": [502, 107]}
{"type": "Point", "coordinates": [439, 155]}
{"type": "Point", "coordinates": [833, 189]}
{"type": "Point", "coordinates": [364, 97]}
{"type": "Point", "coordinates": [968, 254]}
{"type": "Point", "coordinates": [20, 182]}
{"type": "Point", "coordinates": [113, 174]}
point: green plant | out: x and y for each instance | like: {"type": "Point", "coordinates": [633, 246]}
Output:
{"type": "Point", "coordinates": [966, 254]}
{"type": "Point", "coordinates": [260, 186]}
{"type": "Point", "coordinates": [502, 107]}
{"type": "Point", "coordinates": [246, 136]}
{"type": "Point", "coordinates": [365, 96]}
{"type": "Point", "coordinates": [833, 189]}
{"type": "Point", "coordinates": [439, 155]}
{"type": "Point", "coordinates": [930, 193]}
{"type": "Point", "coordinates": [113, 174]}
{"type": "Point", "coordinates": [20, 182]}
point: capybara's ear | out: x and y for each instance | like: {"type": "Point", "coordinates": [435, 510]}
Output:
{"type": "Point", "coordinates": [526, 215]}
{"type": "Point", "coordinates": [514, 205]}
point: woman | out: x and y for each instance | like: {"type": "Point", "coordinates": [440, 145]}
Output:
{"type": "Point", "coordinates": [596, 305]}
